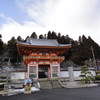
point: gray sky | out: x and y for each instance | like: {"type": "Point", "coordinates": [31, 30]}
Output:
{"type": "Point", "coordinates": [72, 17]}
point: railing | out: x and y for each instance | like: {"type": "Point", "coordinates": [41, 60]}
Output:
{"type": "Point", "coordinates": [43, 57]}
{"type": "Point", "coordinates": [49, 80]}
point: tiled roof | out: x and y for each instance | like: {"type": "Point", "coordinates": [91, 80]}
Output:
{"type": "Point", "coordinates": [75, 69]}
{"type": "Point", "coordinates": [43, 42]}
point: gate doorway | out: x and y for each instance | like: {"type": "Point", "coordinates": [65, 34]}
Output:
{"type": "Point", "coordinates": [42, 70]}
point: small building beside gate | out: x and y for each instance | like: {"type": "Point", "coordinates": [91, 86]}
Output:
{"type": "Point", "coordinates": [42, 56]}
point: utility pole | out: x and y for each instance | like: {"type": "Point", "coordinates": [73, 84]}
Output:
{"type": "Point", "coordinates": [94, 61]}
{"type": "Point", "coordinates": [7, 75]}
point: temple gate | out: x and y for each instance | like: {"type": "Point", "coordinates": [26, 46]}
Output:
{"type": "Point", "coordinates": [42, 56]}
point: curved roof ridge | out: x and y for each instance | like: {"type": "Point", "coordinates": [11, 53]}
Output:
{"type": "Point", "coordinates": [45, 42]}
{"type": "Point", "coordinates": [42, 42]}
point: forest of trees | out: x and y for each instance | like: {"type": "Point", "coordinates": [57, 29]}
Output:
{"type": "Point", "coordinates": [79, 52]}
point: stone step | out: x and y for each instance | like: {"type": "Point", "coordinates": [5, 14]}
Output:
{"type": "Point", "coordinates": [56, 84]}
{"type": "Point", "coordinates": [45, 84]}
{"type": "Point", "coordinates": [63, 80]}
{"type": "Point", "coordinates": [49, 83]}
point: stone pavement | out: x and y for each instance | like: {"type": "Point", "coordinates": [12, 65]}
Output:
{"type": "Point", "coordinates": [86, 93]}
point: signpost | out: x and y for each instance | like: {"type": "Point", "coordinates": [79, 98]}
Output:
{"type": "Point", "coordinates": [94, 61]}
{"type": "Point", "coordinates": [27, 86]}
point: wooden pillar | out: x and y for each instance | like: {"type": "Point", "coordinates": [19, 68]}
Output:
{"type": "Point", "coordinates": [58, 70]}
{"type": "Point", "coordinates": [28, 70]}
{"type": "Point", "coordinates": [50, 70]}
{"type": "Point", "coordinates": [37, 70]}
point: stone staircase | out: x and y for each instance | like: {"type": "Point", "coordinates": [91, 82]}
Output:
{"type": "Point", "coordinates": [49, 83]}
{"type": "Point", "coordinates": [45, 84]}
{"type": "Point", "coordinates": [56, 83]}
{"type": "Point", "coordinates": [63, 80]}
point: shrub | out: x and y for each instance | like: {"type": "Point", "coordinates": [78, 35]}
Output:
{"type": "Point", "coordinates": [86, 75]}
{"type": "Point", "coordinates": [97, 77]}
{"type": "Point", "coordinates": [1, 87]}
{"type": "Point", "coordinates": [2, 77]}
{"type": "Point", "coordinates": [98, 73]}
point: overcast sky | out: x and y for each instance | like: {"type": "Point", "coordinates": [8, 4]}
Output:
{"type": "Point", "coordinates": [72, 17]}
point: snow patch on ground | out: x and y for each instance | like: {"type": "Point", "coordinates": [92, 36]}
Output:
{"type": "Point", "coordinates": [33, 89]}
{"type": "Point", "coordinates": [11, 92]}
{"type": "Point", "coordinates": [92, 85]}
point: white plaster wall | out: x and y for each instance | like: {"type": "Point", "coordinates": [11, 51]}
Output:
{"type": "Point", "coordinates": [21, 75]}
{"type": "Point", "coordinates": [93, 72]}
{"type": "Point", "coordinates": [17, 75]}
{"type": "Point", "coordinates": [64, 74]}
{"type": "Point", "coordinates": [76, 73]}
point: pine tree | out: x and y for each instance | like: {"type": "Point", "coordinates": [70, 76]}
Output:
{"type": "Point", "coordinates": [1, 45]}
{"type": "Point", "coordinates": [53, 35]}
{"type": "Point", "coordinates": [86, 75]}
{"type": "Point", "coordinates": [20, 39]}
{"type": "Point", "coordinates": [12, 50]}
{"type": "Point", "coordinates": [34, 35]}
{"type": "Point", "coordinates": [49, 35]}
{"type": "Point", "coordinates": [41, 36]}
{"type": "Point", "coordinates": [59, 38]}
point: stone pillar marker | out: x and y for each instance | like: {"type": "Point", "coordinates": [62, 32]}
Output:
{"type": "Point", "coordinates": [71, 83]}
{"type": "Point", "coordinates": [71, 74]}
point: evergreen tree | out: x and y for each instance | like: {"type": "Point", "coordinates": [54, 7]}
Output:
{"type": "Point", "coordinates": [1, 50]}
{"type": "Point", "coordinates": [34, 35]}
{"type": "Point", "coordinates": [67, 39]}
{"type": "Point", "coordinates": [59, 38]}
{"type": "Point", "coordinates": [76, 53]}
{"type": "Point", "coordinates": [41, 36]}
{"type": "Point", "coordinates": [80, 40]}
{"type": "Point", "coordinates": [49, 35]}
{"type": "Point", "coordinates": [63, 39]}
{"type": "Point", "coordinates": [26, 38]}
{"type": "Point", "coordinates": [86, 74]}
{"type": "Point", "coordinates": [53, 35]}
{"type": "Point", "coordinates": [85, 48]}
{"type": "Point", "coordinates": [79, 52]}
{"type": "Point", "coordinates": [96, 48]}
{"type": "Point", "coordinates": [1, 44]}
{"type": "Point", "coordinates": [0, 36]}
{"type": "Point", "coordinates": [20, 39]}
{"type": "Point", "coordinates": [12, 50]}
{"type": "Point", "coordinates": [45, 36]}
